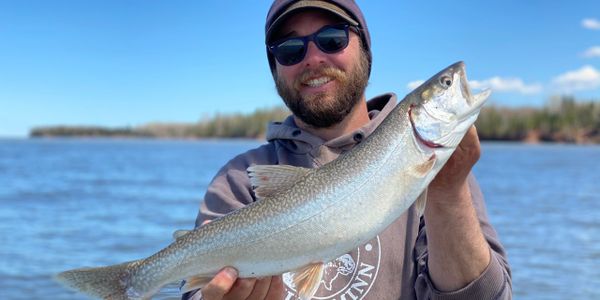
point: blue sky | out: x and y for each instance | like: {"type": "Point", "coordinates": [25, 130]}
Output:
{"type": "Point", "coordinates": [127, 63]}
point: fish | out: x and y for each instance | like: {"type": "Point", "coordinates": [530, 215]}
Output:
{"type": "Point", "coordinates": [304, 218]}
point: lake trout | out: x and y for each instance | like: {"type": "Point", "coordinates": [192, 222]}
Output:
{"type": "Point", "coordinates": [303, 218]}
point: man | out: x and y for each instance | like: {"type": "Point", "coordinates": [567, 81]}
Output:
{"type": "Point", "coordinates": [320, 58]}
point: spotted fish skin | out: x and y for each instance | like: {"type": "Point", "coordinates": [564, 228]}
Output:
{"type": "Point", "coordinates": [307, 217]}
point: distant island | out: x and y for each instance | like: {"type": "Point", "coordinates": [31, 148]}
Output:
{"type": "Point", "coordinates": [562, 119]}
{"type": "Point", "coordinates": [251, 125]}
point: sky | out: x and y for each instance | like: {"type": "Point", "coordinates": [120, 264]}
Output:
{"type": "Point", "coordinates": [131, 62]}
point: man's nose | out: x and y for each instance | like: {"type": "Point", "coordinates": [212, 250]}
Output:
{"type": "Point", "coordinates": [314, 56]}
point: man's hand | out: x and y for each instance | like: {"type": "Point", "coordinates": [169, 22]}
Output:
{"type": "Point", "coordinates": [452, 178]}
{"type": "Point", "coordinates": [227, 286]}
{"type": "Point", "coordinates": [458, 252]}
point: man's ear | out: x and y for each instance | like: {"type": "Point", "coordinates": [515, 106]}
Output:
{"type": "Point", "coordinates": [275, 72]}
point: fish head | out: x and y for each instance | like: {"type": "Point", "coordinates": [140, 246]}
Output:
{"type": "Point", "coordinates": [443, 108]}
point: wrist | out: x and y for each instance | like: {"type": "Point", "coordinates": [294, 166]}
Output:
{"type": "Point", "coordinates": [449, 197]}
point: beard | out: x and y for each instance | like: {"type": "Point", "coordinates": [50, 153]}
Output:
{"type": "Point", "coordinates": [318, 111]}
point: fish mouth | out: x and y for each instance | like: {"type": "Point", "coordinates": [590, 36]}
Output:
{"type": "Point", "coordinates": [475, 102]}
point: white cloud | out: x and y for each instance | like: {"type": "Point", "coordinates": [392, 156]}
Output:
{"type": "Point", "coordinates": [497, 84]}
{"type": "Point", "coordinates": [500, 84]}
{"type": "Point", "coordinates": [592, 52]}
{"type": "Point", "coordinates": [591, 24]}
{"type": "Point", "coordinates": [586, 78]}
{"type": "Point", "coordinates": [414, 84]}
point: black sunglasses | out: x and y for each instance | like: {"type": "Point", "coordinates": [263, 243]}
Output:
{"type": "Point", "coordinates": [329, 39]}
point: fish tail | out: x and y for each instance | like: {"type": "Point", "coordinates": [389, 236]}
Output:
{"type": "Point", "coordinates": [110, 282]}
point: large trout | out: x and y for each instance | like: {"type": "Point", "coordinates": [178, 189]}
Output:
{"type": "Point", "coordinates": [305, 218]}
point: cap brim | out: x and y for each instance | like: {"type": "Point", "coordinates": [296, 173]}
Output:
{"type": "Point", "coordinates": [308, 4]}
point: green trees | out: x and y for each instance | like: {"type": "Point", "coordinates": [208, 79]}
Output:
{"type": "Point", "coordinates": [562, 119]}
{"type": "Point", "coordinates": [238, 125]}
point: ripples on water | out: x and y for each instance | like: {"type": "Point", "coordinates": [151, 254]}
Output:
{"type": "Point", "coordinates": [71, 203]}
{"type": "Point", "coordinates": [543, 200]}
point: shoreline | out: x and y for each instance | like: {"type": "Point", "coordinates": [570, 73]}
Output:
{"type": "Point", "coordinates": [262, 139]}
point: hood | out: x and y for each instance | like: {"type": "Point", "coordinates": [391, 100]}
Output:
{"type": "Point", "coordinates": [295, 140]}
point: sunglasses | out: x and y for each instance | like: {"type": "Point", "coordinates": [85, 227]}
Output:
{"type": "Point", "coordinates": [329, 39]}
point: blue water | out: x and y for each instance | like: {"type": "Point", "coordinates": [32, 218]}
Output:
{"type": "Point", "coordinates": [72, 203]}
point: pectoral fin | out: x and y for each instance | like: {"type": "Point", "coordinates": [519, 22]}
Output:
{"type": "Point", "coordinates": [194, 283]}
{"type": "Point", "coordinates": [423, 169]}
{"type": "Point", "coordinates": [420, 203]}
{"type": "Point", "coordinates": [307, 280]}
{"type": "Point", "coordinates": [270, 179]}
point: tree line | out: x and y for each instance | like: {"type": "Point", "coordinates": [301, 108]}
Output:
{"type": "Point", "coordinates": [562, 119]}
{"type": "Point", "coordinates": [236, 125]}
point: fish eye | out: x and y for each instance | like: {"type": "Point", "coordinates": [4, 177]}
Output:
{"type": "Point", "coordinates": [446, 81]}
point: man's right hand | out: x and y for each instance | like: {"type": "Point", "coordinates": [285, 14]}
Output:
{"type": "Point", "coordinates": [227, 286]}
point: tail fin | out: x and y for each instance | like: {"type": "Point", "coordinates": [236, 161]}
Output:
{"type": "Point", "coordinates": [109, 282]}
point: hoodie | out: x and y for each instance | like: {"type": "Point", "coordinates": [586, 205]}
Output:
{"type": "Point", "coordinates": [393, 265]}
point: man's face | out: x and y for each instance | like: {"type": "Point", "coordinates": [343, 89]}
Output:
{"type": "Point", "coordinates": [322, 89]}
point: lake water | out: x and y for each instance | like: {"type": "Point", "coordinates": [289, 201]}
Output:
{"type": "Point", "coordinates": [72, 203]}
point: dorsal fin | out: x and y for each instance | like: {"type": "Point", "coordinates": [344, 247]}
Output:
{"type": "Point", "coordinates": [420, 203]}
{"type": "Point", "coordinates": [180, 233]}
{"type": "Point", "coordinates": [307, 280]}
{"type": "Point", "coordinates": [270, 179]}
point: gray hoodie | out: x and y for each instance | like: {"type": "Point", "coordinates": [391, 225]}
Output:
{"type": "Point", "coordinates": [393, 265]}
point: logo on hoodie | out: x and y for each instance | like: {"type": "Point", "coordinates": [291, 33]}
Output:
{"type": "Point", "coordinates": [349, 276]}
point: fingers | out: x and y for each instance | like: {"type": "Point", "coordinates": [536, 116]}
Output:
{"type": "Point", "coordinates": [276, 290]}
{"type": "Point", "coordinates": [261, 288]}
{"type": "Point", "coordinates": [227, 286]}
{"type": "Point", "coordinates": [470, 139]}
{"type": "Point", "coordinates": [270, 288]}
{"type": "Point", "coordinates": [241, 289]}
{"type": "Point", "coordinates": [470, 147]}
{"type": "Point", "coordinates": [456, 170]}
{"type": "Point", "coordinates": [220, 285]}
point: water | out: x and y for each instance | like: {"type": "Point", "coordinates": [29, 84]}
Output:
{"type": "Point", "coordinates": [70, 203]}
{"type": "Point", "coordinates": [544, 201]}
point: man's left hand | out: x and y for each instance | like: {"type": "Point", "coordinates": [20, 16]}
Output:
{"type": "Point", "coordinates": [458, 251]}
{"type": "Point", "coordinates": [452, 178]}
